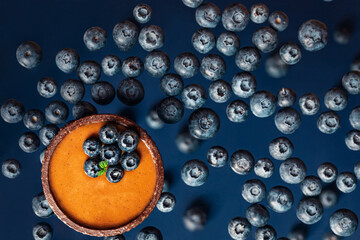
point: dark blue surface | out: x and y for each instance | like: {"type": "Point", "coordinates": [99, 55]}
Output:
{"type": "Point", "coordinates": [58, 24]}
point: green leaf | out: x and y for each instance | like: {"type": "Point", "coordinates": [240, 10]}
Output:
{"type": "Point", "coordinates": [103, 164]}
{"type": "Point", "coordinates": [101, 172]}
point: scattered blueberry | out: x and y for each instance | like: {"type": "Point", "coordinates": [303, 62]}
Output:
{"type": "Point", "coordinates": [265, 39]}
{"type": "Point", "coordinates": [311, 186]}
{"type": "Point", "coordinates": [264, 168]}
{"type": "Point", "coordinates": [194, 173]}
{"type": "Point", "coordinates": [281, 148]}
{"type": "Point", "coordinates": [171, 84]}
{"type": "Point", "coordinates": [186, 143]}
{"type": "Point", "coordinates": [344, 222]}
{"type": "Point", "coordinates": [186, 65]}
{"type": "Point", "coordinates": [153, 120]}
{"type": "Point", "coordinates": [257, 215]}
{"type": "Point", "coordinates": [193, 96]}
{"type": "Point", "coordinates": [170, 110]}
{"type": "Point", "coordinates": [195, 217]}
{"type": "Point", "coordinates": [242, 162]}
{"type": "Point", "coordinates": [328, 197]}
{"type": "Point", "coordinates": [48, 133]}
{"type": "Point", "coordinates": [203, 40]}
{"type": "Point", "coordinates": [67, 60]}
{"type": "Point", "coordinates": [275, 67]}
{"type": "Point", "coordinates": [11, 168]}
{"type": "Point", "coordinates": [102, 93]}
{"type": "Point", "coordinates": [41, 206]}
{"type": "Point", "coordinates": [110, 153]}
{"type": "Point", "coordinates": [290, 53]}
{"type": "Point", "coordinates": [243, 84]}
{"type": "Point", "coordinates": [259, 13]}
{"type": "Point", "coordinates": [111, 65]}
{"type": "Point", "coordinates": [327, 172]}
{"type": "Point", "coordinates": [237, 111]}
{"type": "Point", "coordinates": [132, 67]}
{"type": "Point", "coordinates": [352, 140]}
{"type": "Point", "coordinates": [89, 72]}
{"type": "Point", "coordinates": [92, 147]}
{"type": "Point", "coordinates": [278, 20]}
{"type": "Point", "coordinates": [328, 122]}
{"type": "Point", "coordinates": [220, 91]}
{"type": "Point", "coordinates": [212, 67]}
{"type": "Point", "coordinates": [92, 167]}
{"type": "Point", "coordinates": [204, 123]}
{"type": "Point", "coordinates": [95, 38]}
{"type": "Point", "coordinates": [114, 173]}
{"type": "Point", "coordinates": [336, 99]}
{"type": "Point", "coordinates": [130, 91]}
{"type": "Point", "coordinates": [12, 111]}
{"type": "Point", "coordinates": [208, 15]}
{"type": "Point", "coordinates": [56, 112]}
{"type": "Point", "coordinates": [128, 140]}
{"type": "Point", "coordinates": [253, 191]}
{"type": "Point", "coordinates": [29, 142]}
{"type": "Point", "coordinates": [309, 104]}
{"type": "Point", "coordinates": [235, 17]}
{"type": "Point", "coordinates": [166, 202]}
{"type": "Point", "coordinates": [217, 156]}
{"type": "Point", "coordinates": [142, 13]}
{"type": "Point", "coordinates": [72, 91]}
{"type": "Point", "coordinates": [239, 228]}
{"type": "Point", "coordinates": [262, 104]}
{"type": "Point", "coordinates": [280, 199]}
{"type": "Point", "coordinates": [47, 87]}
{"type": "Point", "coordinates": [287, 120]}
{"type": "Point", "coordinates": [286, 97]}
{"type": "Point", "coordinates": [266, 232]}
{"type": "Point", "coordinates": [29, 54]}
{"type": "Point", "coordinates": [151, 37]}
{"type": "Point", "coordinates": [228, 43]}
{"type": "Point", "coordinates": [351, 82]}
{"type": "Point", "coordinates": [354, 118]}
{"type": "Point", "coordinates": [125, 34]}
{"type": "Point", "coordinates": [42, 231]}
{"type": "Point", "coordinates": [309, 210]}
{"type": "Point", "coordinates": [157, 63]}
{"type": "Point", "coordinates": [346, 182]}
{"type": "Point", "coordinates": [83, 109]}
{"type": "Point", "coordinates": [292, 170]}
{"type": "Point", "coordinates": [150, 233]}
{"type": "Point", "coordinates": [248, 59]}
{"type": "Point", "coordinates": [34, 119]}
{"type": "Point", "coordinates": [192, 3]}
{"type": "Point", "coordinates": [357, 170]}
{"type": "Point", "coordinates": [313, 35]}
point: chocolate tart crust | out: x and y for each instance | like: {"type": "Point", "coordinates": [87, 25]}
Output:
{"type": "Point", "coordinates": [150, 144]}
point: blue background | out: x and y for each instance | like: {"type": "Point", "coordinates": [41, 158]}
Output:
{"type": "Point", "coordinates": [58, 24]}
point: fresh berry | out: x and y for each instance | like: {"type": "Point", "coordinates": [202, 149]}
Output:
{"type": "Point", "coordinates": [142, 13]}
{"type": "Point", "coordinates": [56, 112]}
{"type": "Point", "coordinates": [157, 63]}
{"type": "Point", "coordinates": [243, 84]}
{"type": "Point", "coordinates": [110, 153]}
{"type": "Point", "coordinates": [92, 167]}
{"type": "Point", "coordinates": [292, 171]}
{"type": "Point", "coordinates": [72, 91]}
{"type": "Point", "coordinates": [125, 34]}
{"type": "Point", "coordinates": [286, 97]}
{"type": "Point", "coordinates": [130, 160]}
{"type": "Point", "coordinates": [217, 156]}
{"type": "Point", "coordinates": [194, 173]}
{"type": "Point", "coordinates": [228, 43]}
{"type": "Point", "coordinates": [166, 202]}
{"type": "Point", "coordinates": [327, 172]}
{"type": "Point", "coordinates": [195, 217]}
{"type": "Point", "coordinates": [242, 162]}
{"type": "Point", "coordinates": [309, 104]}
{"type": "Point", "coordinates": [151, 37]}
{"type": "Point", "coordinates": [237, 111]}
{"type": "Point", "coordinates": [186, 143]}
{"type": "Point", "coordinates": [203, 40]}
{"type": "Point", "coordinates": [235, 17]}
{"type": "Point", "coordinates": [212, 67]}
{"type": "Point", "coordinates": [204, 123]}
{"type": "Point", "coordinates": [280, 199]}
{"type": "Point", "coordinates": [29, 54]}
{"type": "Point", "coordinates": [89, 72]}
{"type": "Point", "coordinates": [150, 233]}
{"type": "Point", "coordinates": [83, 109]}
{"type": "Point", "coordinates": [41, 206]}
{"type": "Point", "coordinates": [12, 111]}
{"type": "Point", "coordinates": [11, 168]}
{"type": "Point", "coordinates": [130, 91]}
{"type": "Point", "coordinates": [171, 84]}
{"type": "Point", "coordinates": [48, 133]}
{"type": "Point", "coordinates": [114, 173]}
{"type": "Point", "coordinates": [265, 39]}
{"type": "Point", "coordinates": [248, 59]}
{"type": "Point", "coordinates": [153, 120]}
{"type": "Point", "coordinates": [259, 13]}
{"type": "Point", "coordinates": [42, 231]}
{"type": "Point", "coordinates": [239, 228]}
{"type": "Point", "coordinates": [170, 110]}
{"type": "Point", "coordinates": [95, 38]}
{"type": "Point", "coordinates": [29, 142]}
{"type": "Point", "coordinates": [313, 35]}
{"type": "Point", "coordinates": [309, 210]}
{"type": "Point", "coordinates": [67, 60]}
{"type": "Point", "coordinates": [132, 67]}
{"type": "Point", "coordinates": [278, 20]}
{"type": "Point", "coordinates": [186, 65]}
{"type": "Point", "coordinates": [220, 91]}
{"type": "Point", "coordinates": [47, 87]}
{"type": "Point", "coordinates": [257, 215]}
{"type": "Point", "coordinates": [264, 168]}
{"type": "Point", "coordinates": [253, 191]}
{"type": "Point", "coordinates": [34, 119]}
{"type": "Point", "coordinates": [102, 93]}
{"type": "Point", "coordinates": [92, 147]}
{"type": "Point", "coordinates": [128, 140]}
{"type": "Point", "coordinates": [193, 96]}
{"type": "Point", "coordinates": [111, 65]}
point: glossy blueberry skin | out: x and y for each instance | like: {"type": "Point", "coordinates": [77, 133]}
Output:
{"type": "Point", "coordinates": [286, 97]}
{"type": "Point", "coordinates": [114, 173]}
{"type": "Point", "coordinates": [42, 231]}
{"type": "Point", "coordinates": [237, 111]}
{"type": "Point", "coordinates": [263, 104]}
{"type": "Point", "coordinates": [253, 191]}
{"type": "Point", "coordinates": [56, 112]}
{"type": "Point", "coordinates": [89, 72]}
{"type": "Point", "coordinates": [287, 120]}
{"type": "Point", "coordinates": [142, 13]}
{"type": "Point", "coordinates": [259, 13]}
{"type": "Point", "coordinates": [29, 142]}
{"type": "Point", "coordinates": [103, 93]}
{"type": "Point", "coordinates": [151, 37]}
{"type": "Point", "coordinates": [278, 20]}
{"type": "Point", "coordinates": [12, 111]}
{"type": "Point", "coordinates": [34, 119]}
{"type": "Point", "coordinates": [266, 232]}
{"type": "Point", "coordinates": [92, 147]}
{"type": "Point", "coordinates": [192, 3]}
{"type": "Point", "coordinates": [212, 67]}
{"type": "Point", "coordinates": [117, 237]}
{"type": "Point", "coordinates": [11, 168]}
{"type": "Point", "coordinates": [153, 120]}
{"type": "Point", "coordinates": [280, 199]}
{"type": "Point", "coordinates": [128, 140]}
{"type": "Point", "coordinates": [41, 206]}
{"type": "Point", "coordinates": [193, 96]}
{"type": "Point", "coordinates": [248, 59]}
{"type": "Point", "coordinates": [336, 99]}
{"type": "Point", "coordinates": [132, 67]}
{"type": "Point", "coordinates": [29, 54]}
{"type": "Point", "coordinates": [220, 91]}
{"type": "Point", "coordinates": [171, 84]}
{"type": "Point", "coordinates": [328, 122]}
{"type": "Point", "coordinates": [235, 17]}
{"type": "Point", "coordinates": [243, 84]}
{"type": "Point", "coordinates": [264, 168]}
{"type": "Point", "coordinates": [309, 104]}
{"type": "Point", "coordinates": [151, 233]}
{"type": "Point", "coordinates": [242, 162]}
{"type": "Point", "coordinates": [130, 160]}
{"type": "Point", "coordinates": [48, 133]}
{"type": "Point", "coordinates": [208, 15]}
{"type": "Point", "coordinates": [239, 228]}
{"type": "Point", "coordinates": [111, 65]}
{"type": "Point", "coordinates": [346, 182]}
{"type": "Point", "coordinates": [95, 38]}
{"type": "Point", "coordinates": [67, 60]}
{"type": "Point", "coordinates": [72, 91]}
{"type": "Point", "coordinates": [344, 222]}
{"type": "Point", "coordinates": [352, 140]}
{"type": "Point", "coordinates": [351, 82]}
{"type": "Point", "coordinates": [265, 39]}
{"type": "Point", "coordinates": [309, 210]}
{"type": "Point", "coordinates": [292, 171]}
{"type": "Point", "coordinates": [228, 43]}
{"type": "Point", "coordinates": [203, 40]}
{"type": "Point", "coordinates": [257, 215]}
{"type": "Point", "coordinates": [290, 53]}
{"type": "Point", "coordinates": [186, 65]}
{"type": "Point", "coordinates": [327, 172]}
{"type": "Point", "coordinates": [313, 35]}
{"type": "Point", "coordinates": [194, 173]}
{"type": "Point", "coordinates": [170, 110]}
{"type": "Point", "coordinates": [130, 91]}
{"type": "Point", "coordinates": [186, 143]}
{"type": "Point", "coordinates": [157, 63]}
{"type": "Point", "coordinates": [328, 198]}
{"type": "Point", "coordinates": [217, 156]}
{"type": "Point", "coordinates": [166, 202]}
{"type": "Point", "coordinates": [281, 148]}
{"type": "Point", "coordinates": [83, 109]}
{"type": "Point", "coordinates": [311, 186]}
{"type": "Point", "coordinates": [275, 67]}
{"type": "Point", "coordinates": [195, 218]}
{"type": "Point", "coordinates": [125, 34]}
{"type": "Point", "coordinates": [354, 118]}
{"type": "Point", "coordinates": [203, 123]}
{"type": "Point", "coordinates": [357, 170]}
{"type": "Point", "coordinates": [47, 87]}
{"type": "Point", "coordinates": [92, 167]}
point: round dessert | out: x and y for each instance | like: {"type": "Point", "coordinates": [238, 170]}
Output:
{"type": "Point", "coordinates": [95, 206]}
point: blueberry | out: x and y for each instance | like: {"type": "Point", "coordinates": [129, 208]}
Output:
{"type": "Point", "coordinates": [248, 59]}
{"type": "Point", "coordinates": [311, 186]}
{"type": "Point", "coordinates": [352, 140]}
{"type": "Point", "coordinates": [354, 118]}
{"type": "Point", "coordinates": [171, 84]}
{"type": "Point", "coordinates": [351, 82]}
{"type": "Point", "coordinates": [259, 13]}
{"type": "Point", "coordinates": [253, 191]}
{"type": "Point", "coordinates": [92, 147]}
{"type": "Point", "coordinates": [11, 168]}
{"type": "Point", "coordinates": [346, 182]}
{"type": "Point", "coordinates": [128, 140]}
{"type": "Point", "coordinates": [42, 231]}
{"type": "Point", "coordinates": [237, 111]}
{"type": "Point", "coordinates": [243, 84]}
{"type": "Point", "coordinates": [83, 109]}
{"type": "Point", "coordinates": [167, 183]}
{"type": "Point", "coordinates": [212, 67]}
{"type": "Point", "coordinates": [357, 170]}
{"type": "Point", "coordinates": [281, 148]}
{"type": "Point", "coordinates": [262, 104]}
{"type": "Point", "coordinates": [203, 40]}
{"type": "Point", "coordinates": [204, 123]}
{"type": "Point", "coordinates": [102, 93]}
{"type": "Point", "coordinates": [286, 97]}
{"type": "Point", "coordinates": [344, 31]}
{"type": "Point", "coordinates": [170, 110]}
{"type": "Point", "coordinates": [186, 65]}
{"type": "Point", "coordinates": [195, 217]}
{"type": "Point", "coordinates": [116, 237]}
{"type": "Point", "coordinates": [56, 112]}
{"type": "Point", "coordinates": [108, 134]}
{"type": "Point", "coordinates": [290, 53]}
{"type": "Point", "coordinates": [264, 168]}
{"type": "Point", "coordinates": [42, 155]}
{"type": "Point", "coordinates": [29, 54]}
{"type": "Point", "coordinates": [142, 13]}
{"type": "Point", "coordinates": [278, 20]}
{"type": "Point", "coordinates": [192, 3]}
{"type": "Point", "coordinates": [130, 91]}
{"type": "Point", "coordinates": [151, 37]}
{"type": "Point", "coordinates": [265, 39]}
{"type": "Point", "coordinates": [344, 222]}
{"type": "Point", "coordinates": [111, 65]}
{"type": "Point", "coordinates": [130, 160]}
{"type": "Point", "coordinates": [72, 91]}
{"type": "Point", "coordinates": [328, 122]}
{"type": "Point", "coordinates": [67, 60]}
{"type": "Point", "coordinates": [92, 167]}
{"type": "Point", "coordinates": [309, 104]}
{"type": "Point", "coordinates": [280, 199]}
{"type": "Point", "coordinates": [150, 233]}
{"type": "Point", "coordinates": [95, 38]}
{"type": "Point", "coordinates": [89, 72]}
{"type": "Point", "coordinates": [114, 173]}
{"type": "Point", "coordinates": [336, 99]}
{"type": "Point", "coordinates": [309, 210]}
{"type": "Point", "coordinates": [157, 63]}
{"type": "Point", "coordinates": [292, 171]}
{"type": "Point", "coordinates": [266, 232]}
{"type": "Point", "coordinates": [132, 67]}
{"type": "Point", "coordinates": [41, 206]}
{"type": "Point", "coordinates": [220, 91]}
{"type": "Point", "coordinates": [328, 198]}
{"type": "Point", "coordinates": [29, 142]}
{"type": "Point", "coordinates": [12, 111]}
{"type": "Point", "coordinates": [327, 172]}
{"type": "Point", "coordinates": [228, 43]}
{"type": "Point", "coordinates": [194, 173]}
{"type": "Point", "coordinates": [242, 162]}
{"type": "Point", "coordinates": [257, 215]}
{"type": "Point", "coordinates": [313, 35]}
{"type": "Point", "coordinates": [47, 87]}
{"type": "Point", "coordinates": [125, 34]}
{"type": "Point", "coordinates": [166, 202]}
{"type": "Point", "coordinates": [153, 120]}
{"type": "Point", "coordinates": [186, 143]}
{"type": "Point", "coordinates": [34, 119]}
{"type": "Point", "coordinates": [48, 133]}
{"type": "Point", "coordinates": [275, 67]}
{"type": "Point", "coordinates": [208, 15]}
{"type": "Point", "coordinates": [193, 96]}
{"type": "Point", "coordinates": [287, 120]}
{"type": "Point", "coordinates": [217, 156]}
{"type": "Point", "coordinates": [235, 17]}
{"type": "Point", "coordinates": [239, 228]}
